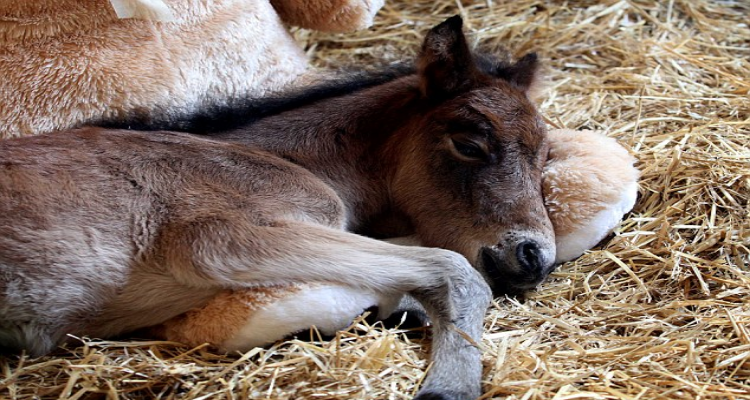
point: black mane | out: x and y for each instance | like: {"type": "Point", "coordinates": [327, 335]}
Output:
{"type": "Point", "coordinates": [236, 113]}
{"type": "Point", "coordinates": [240, 112]}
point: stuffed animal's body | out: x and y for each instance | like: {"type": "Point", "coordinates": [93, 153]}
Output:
{"type": "Point", "coordinates": [589, 183]}
{"type": "Point", "coordinates": [68, 62]}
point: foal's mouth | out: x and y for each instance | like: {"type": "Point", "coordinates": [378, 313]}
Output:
{"type": "Point", "coordinates": [506, 280]}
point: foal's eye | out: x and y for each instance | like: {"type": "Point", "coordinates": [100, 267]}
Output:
{"type": "Point", "coordinates": [469, 149]}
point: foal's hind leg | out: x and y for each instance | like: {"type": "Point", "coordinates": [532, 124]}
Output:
{"type": "Point", "coordinates": [451, 291]}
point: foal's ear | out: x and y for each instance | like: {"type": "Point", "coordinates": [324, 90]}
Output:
{"type": "Point", "coordinates": [445, 63]}
{"type": "Point", "coordinates": [524, 74]}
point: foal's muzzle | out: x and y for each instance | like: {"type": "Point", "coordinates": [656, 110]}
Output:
{"type": "Point", "coordinates": [516, 270]}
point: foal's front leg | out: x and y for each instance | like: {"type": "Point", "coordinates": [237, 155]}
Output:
{"type": "Point", "coordinates": [452, 292]}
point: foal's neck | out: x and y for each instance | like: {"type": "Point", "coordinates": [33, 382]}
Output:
{"type": "Point", "coordinates": [342, 140]}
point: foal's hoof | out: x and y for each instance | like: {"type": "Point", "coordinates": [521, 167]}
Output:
{"type": "Point", "coordinates": [443, 396]}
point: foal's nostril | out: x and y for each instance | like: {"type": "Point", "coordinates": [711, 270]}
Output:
{"type": "Point", "coordinates": [529, 256]}
{"type": "Point", "coordinates": [489, 261]}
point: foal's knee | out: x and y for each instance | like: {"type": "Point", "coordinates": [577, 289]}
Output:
{"type": "Point", "coordinates": [464, 281]}
{"type": "Point", "coordinates": [465, 276]}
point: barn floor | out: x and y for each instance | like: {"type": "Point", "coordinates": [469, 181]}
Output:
{"type": "Point", "coordinates": [661, 310]}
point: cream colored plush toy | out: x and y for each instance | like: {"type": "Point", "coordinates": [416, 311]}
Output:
{"type": "Point", "coordinates": [67, 62]}
{"type": "Point", "coordinates": [589, 183]}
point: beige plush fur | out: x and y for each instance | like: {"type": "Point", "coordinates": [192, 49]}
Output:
{"type": "Point", "coordinates": [66, 62]}
{"type": "Point", "coordinates": [585, 175]}
{"type": "Point", "coordinates": [232, 308]}
{"type": "Point", "coordinates": [328, 15]}
{"type": "Point", "coordinates": [590, 182]}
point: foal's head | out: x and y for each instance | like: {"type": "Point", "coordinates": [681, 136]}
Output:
{"type": "Point", "coordinates": [471, 162]}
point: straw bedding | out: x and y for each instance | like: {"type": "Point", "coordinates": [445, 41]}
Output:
{"type": "Point", "coordinates": [660, 310]}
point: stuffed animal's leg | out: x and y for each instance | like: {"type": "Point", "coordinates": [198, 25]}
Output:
{"type": "Point", "coordinates": [238, 320]}
{"type": "Point", "coordinates": [330, 16]}
{"type": "Point", "coordinates": [452, 292]}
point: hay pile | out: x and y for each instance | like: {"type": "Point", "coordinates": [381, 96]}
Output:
{"type": "Point", "coordinates": [662, 310]}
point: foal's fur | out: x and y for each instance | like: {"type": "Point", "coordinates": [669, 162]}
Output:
{"type": "Point", "coordinates": [106, 231]}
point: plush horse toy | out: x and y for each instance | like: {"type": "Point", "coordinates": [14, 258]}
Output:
{"type": "Point", "coordinates": [65, 63]}
{"type": "Point", "coordinates": [589, 183]}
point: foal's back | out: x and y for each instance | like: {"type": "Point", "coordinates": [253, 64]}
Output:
{"type": "Point", "coordinates": [85, 217]}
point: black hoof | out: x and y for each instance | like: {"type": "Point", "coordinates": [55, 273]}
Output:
{"type": "Point", "coordinates": [440, 396]}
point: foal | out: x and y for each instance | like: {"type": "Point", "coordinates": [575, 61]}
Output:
{"type": "Point", "coordinates": [106, 231]}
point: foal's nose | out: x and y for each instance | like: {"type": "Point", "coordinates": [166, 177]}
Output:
{"type": "Point", "coordinates": [529, 256]}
